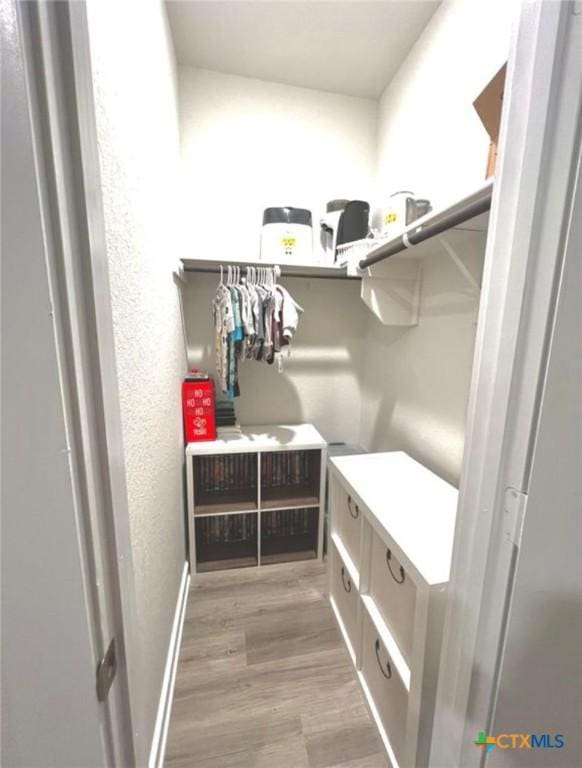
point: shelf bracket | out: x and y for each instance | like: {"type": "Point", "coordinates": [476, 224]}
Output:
{"type": "Point", "coordinates": [458, 262]}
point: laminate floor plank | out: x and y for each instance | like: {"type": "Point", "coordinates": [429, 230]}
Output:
{"type": "Point", "coordinates": [347, 708]}
{"type": "Point", "coordinates": [291, 631]}
{"type": "Point", "coordinates": [301, 679]}
{"type": "Point", "coordinates": [348, 742]}
{"type": "Point", "coordinates": [372, 761]}
{"type": "Point", "coordinates": [226, 613]}
{"type": "Point", "coordinates": [289, 753]}
{"type": "Point", "coordinates": [281, 579]}
{"type": "Point", "coordinates": [263, 679]}
{"type": "Point", "coordinates": [341, 733]}
{"type": "Point", "coordinates": [245, 733]}
{"type": "Point", "coordinates": [224, 652]}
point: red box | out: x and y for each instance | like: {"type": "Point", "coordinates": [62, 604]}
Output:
{"type": "Point", "coordinates": [198, 409]}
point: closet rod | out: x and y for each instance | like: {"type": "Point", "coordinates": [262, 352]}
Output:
{"type": "Point", "coordinates": [415, 237]}
{"type": "Point", "coordinates": [319, 273]}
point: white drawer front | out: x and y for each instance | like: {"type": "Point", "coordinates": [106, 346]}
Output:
{"type": "Point", "coordinates": [348, 521]}
{"type": "Point", "coordinates": [345, 595]}
{"type": "Point", "coordinates": [394, 594]}
{"type": "Point", "coordinates": [387, 689]}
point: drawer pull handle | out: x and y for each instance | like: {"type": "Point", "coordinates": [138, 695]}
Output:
{"type": "Point", "coordinates": [388, 671]}
{"type": "Point", "coordinates": [396, 579]}
{"type": "Point", "coordinates": [351, 510]}
{"type": "Point", "coordinates": [347, 588]}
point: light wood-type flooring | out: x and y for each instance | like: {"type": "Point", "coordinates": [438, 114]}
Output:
{"type": "Point", "coordinates": [263, 679]}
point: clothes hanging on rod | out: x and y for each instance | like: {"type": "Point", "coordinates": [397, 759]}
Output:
{"type": "Point", "coordinates": [255, 318]}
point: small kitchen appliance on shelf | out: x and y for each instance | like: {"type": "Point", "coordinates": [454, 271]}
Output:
{"type": "Point", "coordinates": [401, 209]}
{"type": "Point", "coordinates": [287, 236]}
{"type": "Point", "coordinates": [344, 222]}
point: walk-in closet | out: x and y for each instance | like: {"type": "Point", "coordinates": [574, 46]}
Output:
{"type": "Point", "coordinates": [299, 292]}
{"type": "Point", "coordinates": [340, 465]}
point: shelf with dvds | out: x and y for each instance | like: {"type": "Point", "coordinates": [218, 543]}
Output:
{"type": "Point", "coordinates": [290, 479]}
{"type": "Point", "coordinates": [289, 535]}
{"type": "Point", "coordinates": [225, 483]}
{"type": "Point", "coordinates": [255, 498]}
{"type": "Point", "coordinates": [226, 541]}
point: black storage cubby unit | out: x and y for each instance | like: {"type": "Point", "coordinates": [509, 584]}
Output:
{"type": "Point", "coordinates": [226, 541]}
{"type": "Point", "coordinates": [289, 534]}
{"type": "Point", "coordinates": [225, 483]}
{"type": "Point", "coordinates": [290, 479]}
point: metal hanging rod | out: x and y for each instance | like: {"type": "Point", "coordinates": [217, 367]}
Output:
{"type": "Point", "coordinates": [286, 271]}
{"type": "Point", "coordinates": [414, 237]}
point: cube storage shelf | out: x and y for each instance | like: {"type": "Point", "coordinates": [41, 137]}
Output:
{"type": "Point", "coordinates": [256, 498]}
{"type": "Point", "coordinates": [226, 541]}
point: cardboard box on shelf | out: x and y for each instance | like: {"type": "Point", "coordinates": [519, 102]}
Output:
{"type": "Point", "coordinates": [488, 105]}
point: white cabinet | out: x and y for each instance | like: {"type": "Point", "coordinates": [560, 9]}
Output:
{"type": "Point", "coordinates": [391, 527]}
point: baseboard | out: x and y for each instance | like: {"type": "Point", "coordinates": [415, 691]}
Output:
{"type": "Point", "coordinates": [158, 748]}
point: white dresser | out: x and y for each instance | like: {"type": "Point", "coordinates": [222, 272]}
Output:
{"type": "Point", "coordinates": [391, 539]}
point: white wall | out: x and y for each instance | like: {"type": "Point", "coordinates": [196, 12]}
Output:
{"type": "Point", "coordinates": [416, 380]}
{"type": "Point", "coordinates": [430, 140]}
{"type": "Point", "coordinates": [135, 88]}
{"type": "Point", "coordinates": [320, 382]}
{"type": "Point", "coordinates": [248, 144]}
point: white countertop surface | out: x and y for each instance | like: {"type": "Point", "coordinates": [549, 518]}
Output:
{"type": "Point", "coordinates": [269, 437]}
{"type": "Point", "coordinates": [413, 505]}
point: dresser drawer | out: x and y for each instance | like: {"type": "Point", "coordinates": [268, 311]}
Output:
{"type": "Point", "coordinates": [394, 594]}
{"type": "Point", "coordinates": [387, 689]}
{"type": "Point", "coordinates": [345, 595]}
{"type": "Point", "coordinates": [348, 521]}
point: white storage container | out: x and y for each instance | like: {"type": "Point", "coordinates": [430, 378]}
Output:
{"type": "Point", "coordinates": [287, 236]}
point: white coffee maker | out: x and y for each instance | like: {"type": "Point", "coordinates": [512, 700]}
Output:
{"type": "Point", "coordinates": [399, 210]}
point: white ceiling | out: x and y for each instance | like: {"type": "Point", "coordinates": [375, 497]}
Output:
{"type": "Point", "coordinates": [344, 47]}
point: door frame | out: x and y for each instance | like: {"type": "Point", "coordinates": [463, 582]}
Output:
{"type": "Point", "coordinates": [60, 92]}
{"type": "Point", "coordinates": [538, 154]}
